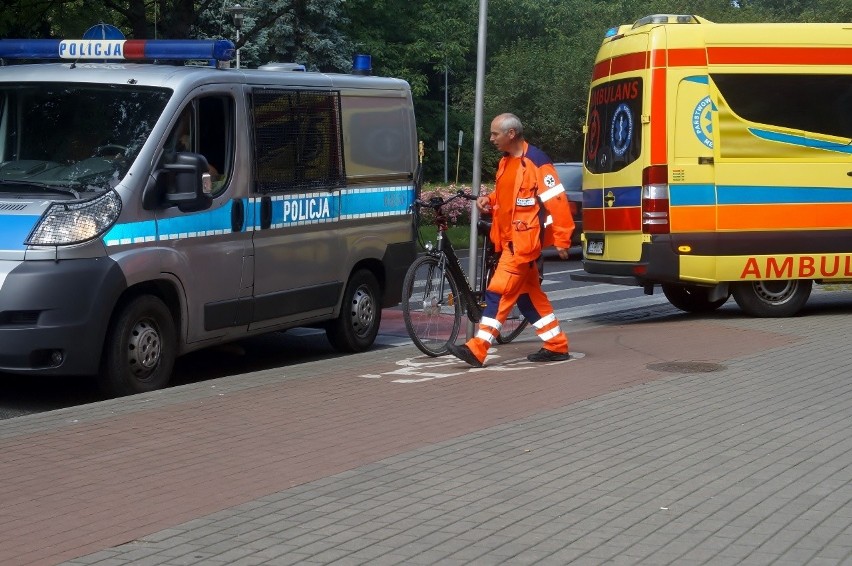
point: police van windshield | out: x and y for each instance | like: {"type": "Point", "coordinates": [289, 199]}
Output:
{"type": "Point", "coordinates": [74, 138]}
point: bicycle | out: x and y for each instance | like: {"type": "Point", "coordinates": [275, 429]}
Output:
{"type": "Point", "coordinates": [436, 294]}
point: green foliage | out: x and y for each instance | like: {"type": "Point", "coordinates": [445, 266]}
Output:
{"type": "Point", "coordinates": [539, 53]}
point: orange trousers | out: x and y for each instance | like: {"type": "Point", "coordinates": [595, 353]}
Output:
{"type": "Point", "coordinates": [517, 283]}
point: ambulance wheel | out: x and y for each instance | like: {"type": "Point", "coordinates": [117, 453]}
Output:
{"type": "Point", "coordinates": [356, 328]}
{"type": "Point", "coordinates": [692, 298]}
{"type": "Point", "coordinates": [769, 299]}
{"type": "Point", "coordinates": [139, 352]}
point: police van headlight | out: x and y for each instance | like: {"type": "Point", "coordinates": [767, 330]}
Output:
{"type": "Point", "coordinates": [64, 224]}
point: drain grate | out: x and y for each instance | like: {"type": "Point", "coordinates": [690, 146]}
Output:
{"type": "Point", "coordinates": [686, 367]}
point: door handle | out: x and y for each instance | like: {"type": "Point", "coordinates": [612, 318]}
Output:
{"type": "Point", "coordinates": [265, 212]}
{"type": "Point", "coordinates": [238, 215]}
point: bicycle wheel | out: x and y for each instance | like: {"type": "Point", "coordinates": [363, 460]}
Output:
{"type": "Point", "coordinates": [431, 306]}
{"type": "Point", "coordinates": [515, 323]}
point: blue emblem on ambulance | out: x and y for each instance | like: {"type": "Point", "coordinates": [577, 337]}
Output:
{"type": "Point", "coordinates": [702, 124]}
{"type": "Point", "coordinates": [621, 132]}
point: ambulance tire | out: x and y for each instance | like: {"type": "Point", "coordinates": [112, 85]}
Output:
{"type": "Point", "coordinates": [772, 299]}
{"type": "Point", "coordinates": [692, 298]}
{"type": "Point", "coordinates": [140, 348]}
{"type": "Point", "coordinates": [355, 329]}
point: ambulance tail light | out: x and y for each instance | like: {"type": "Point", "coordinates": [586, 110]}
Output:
{"type": "Point", "coordinates": [655, 200]}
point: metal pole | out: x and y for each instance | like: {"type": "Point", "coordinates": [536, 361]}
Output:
{"type": "Point", "coordinates": [238, 49]}
{"type": "Point", "coordinates": [477, 143]}
{"type": "Point", "coordinates": [446, 122]}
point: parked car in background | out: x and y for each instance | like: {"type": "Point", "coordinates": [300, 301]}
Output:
{"type": "Point", "coordinates": [571, 175]}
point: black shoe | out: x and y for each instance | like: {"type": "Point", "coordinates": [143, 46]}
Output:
{"type": "Point", "coordinates": [464, 354]}
{"type": "Point", "coordinates": [545, 355]}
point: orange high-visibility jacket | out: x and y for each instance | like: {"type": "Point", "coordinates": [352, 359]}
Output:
{"type": "Point", "coordinates": [536, 184]}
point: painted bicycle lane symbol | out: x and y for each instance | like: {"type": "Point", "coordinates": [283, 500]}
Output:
{"type": "Point", "coordinates": [423, 368]}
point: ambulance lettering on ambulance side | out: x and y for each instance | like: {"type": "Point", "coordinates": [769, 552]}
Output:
{"type": "Point", "coordinates": [718, 162]}
{"type": "Point", "coordinates": [148, 210]}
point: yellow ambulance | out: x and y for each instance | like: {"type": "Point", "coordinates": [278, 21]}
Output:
{"type": "Point", "coordinates": [718, 162]}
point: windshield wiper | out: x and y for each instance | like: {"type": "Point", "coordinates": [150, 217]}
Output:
{"type": "Point", "coordinates": [43, 186]}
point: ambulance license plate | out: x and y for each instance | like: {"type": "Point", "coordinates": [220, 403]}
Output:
{"type": "Point", "coordinates": [595, 247]}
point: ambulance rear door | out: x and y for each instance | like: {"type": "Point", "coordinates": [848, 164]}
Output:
{"type": "Point", "coordinates": [616, 144]}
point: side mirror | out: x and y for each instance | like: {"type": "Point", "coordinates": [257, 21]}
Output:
{"type": "Point", "coordinates": [184, 183]}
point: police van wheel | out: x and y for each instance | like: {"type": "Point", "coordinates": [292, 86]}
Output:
{"type": "Point", "coordinates": [772, 298]}
{"type": "Point", "coordinates": [139, 352]}
{"type": "Point", "coordinates": [692, 298]}
{"type": "Point", "coordinates": [356, 328]}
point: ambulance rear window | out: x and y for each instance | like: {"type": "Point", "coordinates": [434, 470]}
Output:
{"type": "Point", "coordinates": [613, 135]}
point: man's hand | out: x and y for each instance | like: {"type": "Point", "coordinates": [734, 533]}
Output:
{"type": "Point", "coordinates": [483, 203]}
{"type": "Point", "coordinates": [563, 252]}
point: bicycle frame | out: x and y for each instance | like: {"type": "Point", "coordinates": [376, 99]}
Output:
{"type": "Point", "coordinates": [447, 286]}
{"type": "Point", "coordinates": [447, 258]}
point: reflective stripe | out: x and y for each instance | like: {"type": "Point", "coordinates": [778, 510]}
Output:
{"type": "Point", "coordinates": [544, 321]}
{"type": "Point", "coordinates": [548, 221]}
{"type": "Point", "coordinates": [545, 336]}
{"type": "Point", "coordinates": [550, 193]}
{"type": "Point", "coordinates": [485, 335]}
{"type": "Point", "coordinates": [491, 322]}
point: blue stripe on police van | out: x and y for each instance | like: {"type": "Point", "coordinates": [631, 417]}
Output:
{"type": "Point", "coordinates": [375, 202]}
{"type": "Point", "coordinates": [131, 233]}
{"type": "Point", "coordinates": [692, 194]}
{"type": "Point", "coordinates": [287, 210]}
{"type": "Point", "coordinates": [15, 229]}
{"type": "Point", "coordinates": [303, 209]}
{"type": "Point", "coordinates": [192, 225]}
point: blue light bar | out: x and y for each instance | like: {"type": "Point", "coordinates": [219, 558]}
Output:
{"type": "Point", "coordinates": [362, 65]}
{"type": "Point", "coordinates": [117, 49]}
{"type": "Point", "coordinates": [610, 32]}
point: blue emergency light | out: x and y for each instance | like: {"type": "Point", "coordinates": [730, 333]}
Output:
{"type": "Point", "coordinates": [118, 49]}
{"type": "Point", "coordinates": [362, 64]}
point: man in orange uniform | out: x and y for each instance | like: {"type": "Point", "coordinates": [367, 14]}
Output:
{"type": "Point", "coordinates": [529, 211]}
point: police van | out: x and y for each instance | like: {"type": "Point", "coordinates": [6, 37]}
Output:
{"type": "Point", "coordinates": [718, 161]}
{"type": "Point", "coordinates": [149, 209]}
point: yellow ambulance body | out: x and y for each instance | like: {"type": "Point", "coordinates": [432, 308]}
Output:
{"type": "Point", "coordinates": [718, 161]}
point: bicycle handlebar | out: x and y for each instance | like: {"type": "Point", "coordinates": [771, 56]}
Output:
{"type": "Point", "coordinates": [438, 201]}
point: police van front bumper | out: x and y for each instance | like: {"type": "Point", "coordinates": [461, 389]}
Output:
{"type": "Point", "coordinates": [53, 315]}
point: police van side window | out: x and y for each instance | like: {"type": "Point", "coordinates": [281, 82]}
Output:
{"type": "Point", "coordinates": [297, 140]}
{"type": "Point", "coordinates": [818, 104]}
{"type": "Point", "coordinates": [614, 128]}
{"type": "Point", "coordinates": [206, 126]}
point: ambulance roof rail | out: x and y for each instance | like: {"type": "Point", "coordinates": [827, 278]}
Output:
{"type": "Point", "coordinates": [666, 19]}
{"type": "Point", "coordinates": [215, 50]}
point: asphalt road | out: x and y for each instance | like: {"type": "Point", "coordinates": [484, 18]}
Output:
{"type": "Point", "coordinates": [23, 395]}
{"type": "Point", "coordinates": [577, 305]}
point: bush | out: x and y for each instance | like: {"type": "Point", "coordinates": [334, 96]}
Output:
{"type": "Point", "coordinates": [458, 211]}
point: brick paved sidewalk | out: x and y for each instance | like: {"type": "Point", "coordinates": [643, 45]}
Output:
{"type": "Point", "coordinates": [392, 458]}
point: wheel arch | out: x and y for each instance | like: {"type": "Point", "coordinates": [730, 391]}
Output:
{"type": "Point", "coordinates": [166, 290]}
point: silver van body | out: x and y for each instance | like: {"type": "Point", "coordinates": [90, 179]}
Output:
{"type": "Point", "coordinates": [150, 210]}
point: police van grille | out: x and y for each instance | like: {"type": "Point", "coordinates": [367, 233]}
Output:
{"type": "Point", "coordinates": [298, 140]}
{"type": "Point", "coordinates": [12, 206]}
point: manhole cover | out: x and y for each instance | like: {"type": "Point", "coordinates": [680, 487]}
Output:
{"type": "Point", "coordinates": [686, 367]}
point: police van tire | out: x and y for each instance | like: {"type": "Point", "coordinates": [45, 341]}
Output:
{"type": "Point", "coordinates": [692, 298]}
{"type": "Point", "coordinates": [140, 348]}
{"type": "Point", "coordinates": [770, 299]}
{"type": "Point", "coordinates": [355, 329]}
